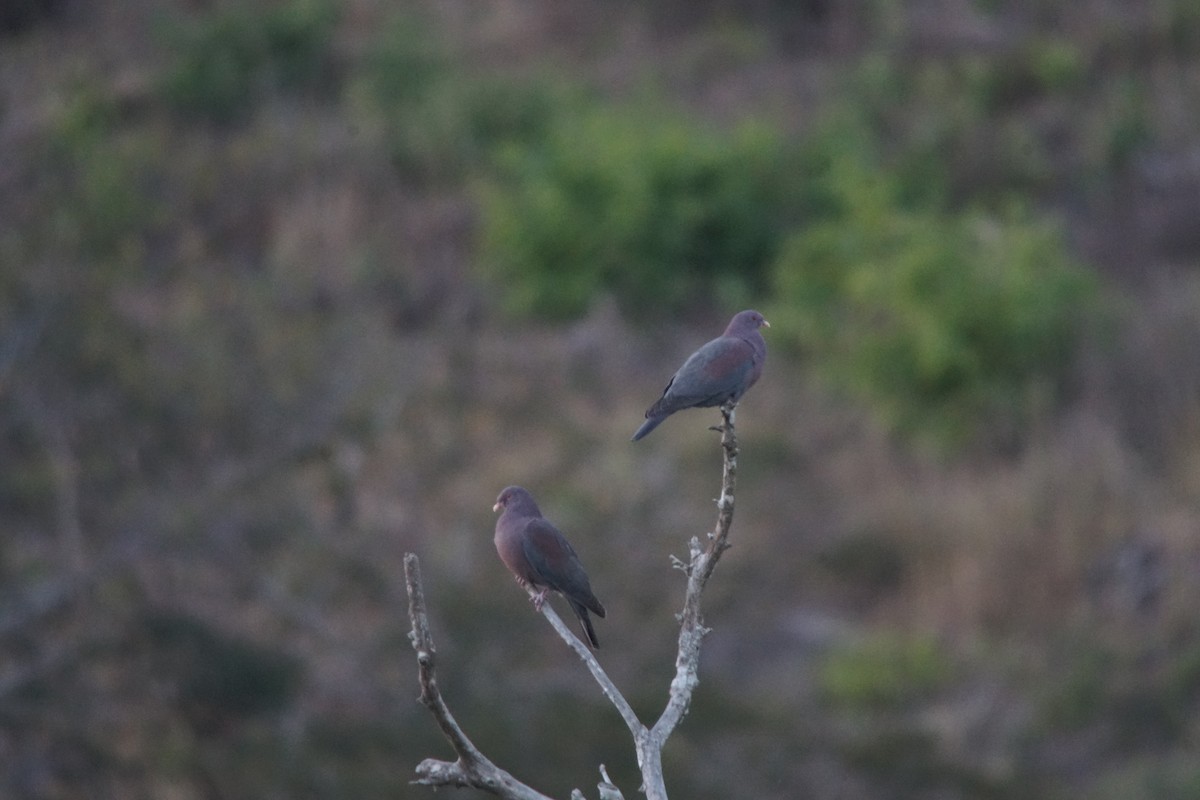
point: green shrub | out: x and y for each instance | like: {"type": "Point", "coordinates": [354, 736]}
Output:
{"type": "Point", "coordinates": [648, 206]}
{"type": "Point", "coordinates": [1057, 64]}
{"type": "Point", "coordinates": [883, 672]}
{"type": "Point", "coordinates": [987, 122]}
{"type": "Point", "coordinates": [401, 92]}
{"type": "Point", "coordinates": [103, 178]}
{"type": "Point", "coordinates": [977, 122]}
{"type": "Point", "coordinates": [224, 61]}
{"type": "Point", "coordinates": [1079, 694]}
{"type": "Point", "coordinates": [938, 319]}
{"type": "Point", "coordinates": [438, 118]}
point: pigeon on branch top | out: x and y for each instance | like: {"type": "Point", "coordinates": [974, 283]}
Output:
{"type": "Point", "coordinates": [720, 372]}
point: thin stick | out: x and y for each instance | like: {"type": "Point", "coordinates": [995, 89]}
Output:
{"type": "Point", "coordinates": [472, 768]}
{"type": "Point", "coordinates": [699, 568]}
{"type": "Point", "coordinates": [606, 685]}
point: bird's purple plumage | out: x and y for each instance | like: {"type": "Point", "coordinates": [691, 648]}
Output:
{"type": "Point", "coordinates": [540, 557]}
{"type": "Point", "coordinates": [720, 372]}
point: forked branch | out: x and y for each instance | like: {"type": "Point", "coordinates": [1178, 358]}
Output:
{"type": "Point", "coordinates": [474, 769]}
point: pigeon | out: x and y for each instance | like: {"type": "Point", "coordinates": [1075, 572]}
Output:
{"type": "Point", "coordinates": [541, 558]}
{"type": "Point", "coordinates": [720, 372]}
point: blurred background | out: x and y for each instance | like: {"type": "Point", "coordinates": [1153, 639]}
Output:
{"type": "Point", "coordinates": [288, 289]}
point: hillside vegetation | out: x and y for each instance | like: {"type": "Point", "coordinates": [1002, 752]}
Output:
{"type": "Point", "coordinates": [289, 289]}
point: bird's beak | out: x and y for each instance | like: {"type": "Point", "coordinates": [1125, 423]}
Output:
{"type": "Point", "coordinates": [766, 324]}
{"type": "Point", "coordinates": [496, 507]}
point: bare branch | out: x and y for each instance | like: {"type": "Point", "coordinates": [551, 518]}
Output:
{"type": "Point", "coordinates": [606, 685]}
{"type": "Point", "coordinates": [472, 767]}
{"type": "Point", "coordinates": [699, 567]}
{"type": "Point", "coordinates": [608, 789]}
{"type": "Point", "coordinates": [701, 563]}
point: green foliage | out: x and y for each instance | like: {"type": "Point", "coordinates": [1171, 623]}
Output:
{"type": "Point", "coordinates": [1077, 698]}
{"type": "Point", "coordinates": [439, 119]}
{"type": "Point", "coordinates": [81, 234]}
{"type": "Point", "coordinates": [644, 204]}
{"type": "Point", "coordinates": [225, 60]}
{"type": "Point", "coordinates": [885, 671]}
{"type": "Point", "coordinates": [1174, 775]}
{"type": "Point", "coordinates": [939, 319]}
{"type": "Point", "coordinates": [1057, 64]}
{"type": "Point", "coordinates": [103, 175]}
{"type": "Point", "coordinates": [984, 123]}
{"type": "Point", "coordinates": [1181, 23]}
{"type": "Point", "coordinates": [1128, 124]}
{"type": "Point", "coordinates": [1139, 706]}
{"type": "Point", "coordinates": [996, 82]}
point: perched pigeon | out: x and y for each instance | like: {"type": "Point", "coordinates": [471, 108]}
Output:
{"type": "Point", "coordinates": [541, 557]}
{"type": "Point", "coordinates": [719, 372]}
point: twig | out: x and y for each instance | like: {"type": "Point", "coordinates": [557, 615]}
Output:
{"type": "Point", "coordinates": [700, 565]}
{"type": "Point", "coordinates": [608, 789]}
{"type": "Point", "coordinates": [606, 685]}
{"type": "Point", "coordinates": [472, 768]}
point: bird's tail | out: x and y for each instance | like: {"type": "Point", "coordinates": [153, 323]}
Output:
{"type": "Point", "coordinates": [650, 424]}
{"type": "Point", "coordinates": [586, 623]}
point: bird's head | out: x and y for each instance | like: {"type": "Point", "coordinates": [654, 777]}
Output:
{"type": "Point", "coordinates": [748, 320]}
{"type": "Point", "coordinates": [516, 498]}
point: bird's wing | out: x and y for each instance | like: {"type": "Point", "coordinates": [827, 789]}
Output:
{"type": "Point", "coordinates": [713, 373]}
{"type": "Point", "coordinates": [549, 553]}
{"type": "Point", "coordinates": [556, 563]}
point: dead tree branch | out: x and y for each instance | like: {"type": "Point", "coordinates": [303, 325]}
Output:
{"type": "Point", "coordinates": [473, 769]}
{"type": "Point", "coordinates": [701, 563]}
{"type": "Point", "coordinates": [608, 688]}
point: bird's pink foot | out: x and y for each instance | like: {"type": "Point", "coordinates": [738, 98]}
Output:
{"type": "Point", "coordinates": [539, 600]}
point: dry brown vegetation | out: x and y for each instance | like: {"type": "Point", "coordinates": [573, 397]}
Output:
{"type": "Point", "coordinates": [249, 357]}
